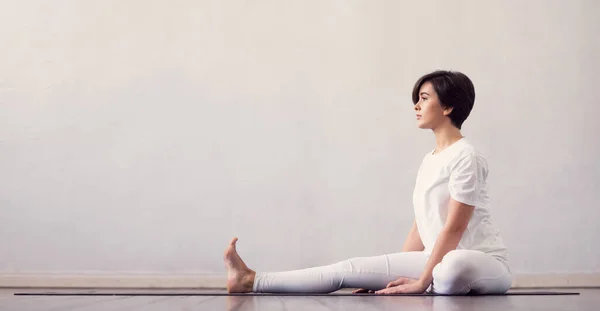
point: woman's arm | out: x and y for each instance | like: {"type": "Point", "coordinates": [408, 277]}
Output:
{"type": "Point", "coordinates": [413, 241]}
{"type": "Point", "coordinates": [459, 215]}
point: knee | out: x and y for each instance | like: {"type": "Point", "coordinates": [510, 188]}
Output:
{"type": "Point", "coordinates": [454, 274]}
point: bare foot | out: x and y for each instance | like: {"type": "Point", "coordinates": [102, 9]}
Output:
{"type": "Point", "coordinates": [239, 277]}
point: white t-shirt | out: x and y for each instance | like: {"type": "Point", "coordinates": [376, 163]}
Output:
{"type": "Point", "coordinates": [457, 172]}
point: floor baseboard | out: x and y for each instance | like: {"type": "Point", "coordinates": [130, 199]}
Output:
{"type": "Point", "coordinates": [113, 280]}
{"type": "Point", "coordinates": [563, 280]}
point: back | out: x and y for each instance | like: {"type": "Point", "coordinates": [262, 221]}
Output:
{"type": "Point", "coordinates": [458, 172]}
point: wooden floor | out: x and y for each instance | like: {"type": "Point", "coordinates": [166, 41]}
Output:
{"type": "Point", "coordinates": [588, 300]}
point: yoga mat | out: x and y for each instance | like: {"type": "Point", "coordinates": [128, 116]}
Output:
{"type": "Point", "coordinates": [519, 293]}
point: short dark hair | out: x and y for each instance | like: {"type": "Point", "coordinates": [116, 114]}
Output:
{"type": "Point", "coordinates": [454, 89]}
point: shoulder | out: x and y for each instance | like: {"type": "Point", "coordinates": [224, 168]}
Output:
{"type": "Point", "coordinates": [468, 156]}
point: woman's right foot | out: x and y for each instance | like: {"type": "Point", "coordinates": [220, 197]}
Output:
{"type": "Point", "coordinates": [240, 278]}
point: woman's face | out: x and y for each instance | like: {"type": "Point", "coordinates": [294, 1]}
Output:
{"type": "Point", "coordinates": [430, 113]}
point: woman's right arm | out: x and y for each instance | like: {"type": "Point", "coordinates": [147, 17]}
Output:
{"type": "Point", "coordinates": [413, 241]}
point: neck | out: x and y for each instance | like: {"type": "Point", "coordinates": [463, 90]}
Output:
{"type": "Point", "coordinates": [446, 135]}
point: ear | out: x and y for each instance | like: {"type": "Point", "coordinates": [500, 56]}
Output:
{"type": "Point", "coordinates": [448, 110]}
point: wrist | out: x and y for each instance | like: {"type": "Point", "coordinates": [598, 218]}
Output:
{"type": "Point", "coordinates": [425, 281]}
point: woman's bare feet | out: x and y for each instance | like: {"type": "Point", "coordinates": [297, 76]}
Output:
{"type": "Point", "coordinates": [240, 278]}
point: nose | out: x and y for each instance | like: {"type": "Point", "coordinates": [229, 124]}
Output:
{"type": "Point", "coordinates": [417, 107]}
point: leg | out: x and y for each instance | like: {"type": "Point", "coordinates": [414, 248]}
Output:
{"type": "Point", "coordinates": [366, 272]}
{"type": "Point", "coordinates": [464, 271]}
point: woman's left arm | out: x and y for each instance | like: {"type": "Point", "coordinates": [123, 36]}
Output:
{"type": "Point", "coordinates": [459, 215]}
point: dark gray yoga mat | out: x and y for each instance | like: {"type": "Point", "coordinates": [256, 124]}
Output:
{"type": "Point", "coordinates": [518, 293]}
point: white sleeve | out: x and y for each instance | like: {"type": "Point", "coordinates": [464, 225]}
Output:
{"type": "Point", "coordinates": [467, 178]}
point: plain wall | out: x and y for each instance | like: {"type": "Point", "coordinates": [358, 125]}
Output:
{"type": "Point", "coordinates": [140, 136]}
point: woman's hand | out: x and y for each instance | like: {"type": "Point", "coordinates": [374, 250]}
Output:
{"type": "Point", "coordinates": [363, 291]}
{"type": "Point", "coordinates": [404, 286]}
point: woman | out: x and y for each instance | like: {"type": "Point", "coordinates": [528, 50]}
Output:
{"type": "Point", "coordinates": [453, 247]}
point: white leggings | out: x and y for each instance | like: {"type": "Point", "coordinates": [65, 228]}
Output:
{"type": "Point", "coordinates": [459, 272]}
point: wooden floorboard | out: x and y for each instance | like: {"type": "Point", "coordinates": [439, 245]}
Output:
{"type": "Point", "coordinates": [49, 304]}
{"type": "Point", "coordinates": [129, 303]}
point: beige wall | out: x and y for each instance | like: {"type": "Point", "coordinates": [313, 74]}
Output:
{"type": "Point", "coordinates": [139, 136]}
